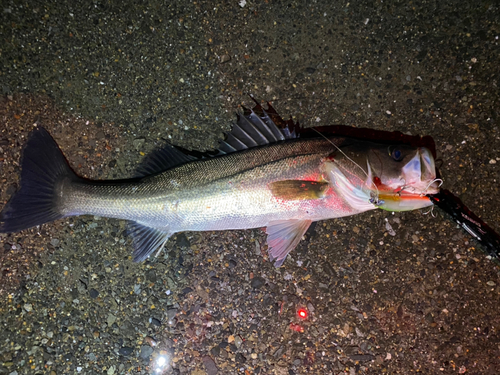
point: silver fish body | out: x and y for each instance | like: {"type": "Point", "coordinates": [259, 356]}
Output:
{"type": "Point", "coordinates": [228, 192]}
{"type": "Point", "coordinates": [282, 185]}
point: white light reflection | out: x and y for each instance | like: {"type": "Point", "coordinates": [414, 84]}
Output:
{"type": "Point", "coordinates": [161, 363]}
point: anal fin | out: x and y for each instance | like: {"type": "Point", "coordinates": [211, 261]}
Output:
{"type": "Point", "coordinates": [283, 236]}
{"type": "Point", "coordinates": [146, 240]}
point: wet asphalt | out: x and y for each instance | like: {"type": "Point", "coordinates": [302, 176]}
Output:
{"type": "Point", "coordinates": [395, 293]}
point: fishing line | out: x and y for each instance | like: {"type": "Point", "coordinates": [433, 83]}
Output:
{"type": "Point", "coordinates": [376, 195]}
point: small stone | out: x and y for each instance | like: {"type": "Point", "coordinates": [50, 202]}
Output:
{"type": "Point", "coordinates": [389, 229]}
{"type": "Point", "coordinates": [491, 283]}
{"type": "Point", "coordinates": [151, 276]}
{"type": "Point", "coordinates": [126, 351]}
{"type": "Point", "coordinates": [223, 344]}
{"type": "Point", "coordinates": [310, 307]}
{"type": "Point", "coordinates": [278, 352]}
{"type": "Point", "coordinates": [138, 143]}
{"type": "Point", "coordinates": [238, 341]}
{"type": "Point", "coordinates": [171, 313]}
{"type": "Point", "coordinates": [151, 341]}
{"type": "Point", "coordinates": [257, 282]}
{"type": "Point", "coordinates": [146, 351]}
{"type": "Point", "coordinates": [183, 242]}
{"type": "Point", "coordinates": [155, 322]}
{"type": "Point", "coordinates": [215, 351]}
{"type": "Point", "coordinates": [110, 320]}
{"type": "Point", "coordinates": [210, 366]}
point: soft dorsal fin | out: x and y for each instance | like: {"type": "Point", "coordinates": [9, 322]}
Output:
{"type": "Point", "coordinates": [161, 160]}
{"type": "Point", "coordinates": [257, 127]}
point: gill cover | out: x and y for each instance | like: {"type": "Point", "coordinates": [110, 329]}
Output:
{"type": "Point", "coordinates": [402, 187]}
{"type": "Point", "coordinates": [354, 191]}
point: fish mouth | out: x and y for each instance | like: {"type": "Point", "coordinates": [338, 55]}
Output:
{"type": "Point", "coordinates": [428, 168]}
{"type": "Point", "coordinates": [420, 174]}
{"type": "Point", "coordinates": [419, 180]}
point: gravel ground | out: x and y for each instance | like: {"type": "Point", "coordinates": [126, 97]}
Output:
{"type": "Point", "coordinates": [384, 293]}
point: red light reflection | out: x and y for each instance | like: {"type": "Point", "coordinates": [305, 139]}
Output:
{"type": "Point", "coordinates": [302, 313]}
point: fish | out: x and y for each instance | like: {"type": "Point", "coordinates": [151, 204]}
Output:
{"type": "Point", "coordinates": [267, 173]}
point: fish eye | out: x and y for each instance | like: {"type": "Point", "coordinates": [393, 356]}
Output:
{"type": "Point", "coordinates": [396, 153]}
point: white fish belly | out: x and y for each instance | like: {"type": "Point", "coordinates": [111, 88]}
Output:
{"type": "Point", "coordinates": [250, 203]}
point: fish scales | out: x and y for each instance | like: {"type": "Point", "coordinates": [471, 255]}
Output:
{"type": "Point", "coordinates": [228, 192]}
{"type": "Point", "coordinates": [263, 176]}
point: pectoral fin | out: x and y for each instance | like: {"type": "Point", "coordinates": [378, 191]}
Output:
{"type": "Point", "coordinates": [298, 189]}
{"type": "Point", "coordinates": [283, 236]}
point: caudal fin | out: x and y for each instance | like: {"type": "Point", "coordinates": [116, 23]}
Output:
{"type": "Point", "coordinates": [43, 167]}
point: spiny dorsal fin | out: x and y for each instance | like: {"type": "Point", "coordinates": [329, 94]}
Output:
{"type": "Point", "coordinates": [254, 127]}
{"type": "Point", "coordinates": [257, 127]}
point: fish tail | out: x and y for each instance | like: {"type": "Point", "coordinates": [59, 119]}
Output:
{"type": "Point", "coordinates": [44, 167]}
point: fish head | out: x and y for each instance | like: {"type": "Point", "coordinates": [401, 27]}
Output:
{"type": "Point", "coordinates": [393, 178]}
{"type": "Point", "coordinates": [403, 176]}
